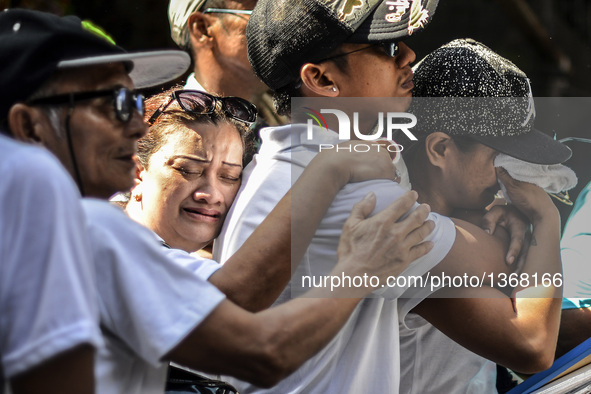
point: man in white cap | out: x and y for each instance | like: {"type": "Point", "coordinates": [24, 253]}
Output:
{"type": "Point", "coordinates": [213, 32]}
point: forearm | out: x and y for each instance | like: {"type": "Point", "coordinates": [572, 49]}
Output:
{"type": "Point", "coordinates": [298, 330]}
{"type": "Point", "coordinates": [262, 348]}
{"type": "Point", "coordinates": [519, 333]}
{"type": "Point", "coordinates": [538, 300]}
{"type": "Point", "coordinates": [486, 323]}
{"type": "Point", "coordinates": [259, 271]}
{"type": "Point", "coordinates": [543, 257]}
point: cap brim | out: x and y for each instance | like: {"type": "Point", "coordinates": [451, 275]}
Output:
{"type": "Point", "coordinates": [533, 147]}
{"type": "Point", "coordinates": [148, 68]}
{"type": "Point", "coordinates": [392, 23]}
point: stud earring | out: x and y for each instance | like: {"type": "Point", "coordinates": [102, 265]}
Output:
{"type": "Point", "coordinates": [138, 197]}
{"type": "Point", "coordinates": [334, 89]}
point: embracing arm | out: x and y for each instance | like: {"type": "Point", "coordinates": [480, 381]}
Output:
{"type": "Point", "coordinates": [520, 336]}
{"type": "Point", "coordinates": [258, 272]}
{"type": "Point", "coordinates": [265, 347]}
{"type": "Point", "coordinates": [518, 329]}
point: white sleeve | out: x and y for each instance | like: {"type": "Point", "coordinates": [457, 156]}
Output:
{"type": "Point", "coordinates": [200, 266]}
{"type": "Point", "coordinates": [321, 256]}
{"type": "Point", "coordinates": [47, 291]}
{"type": "Point", "coordinates": [322, 252]}
{"type": "Point", "coordinates": [145, 298]}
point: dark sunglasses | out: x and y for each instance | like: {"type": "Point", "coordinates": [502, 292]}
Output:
{"type": "Point", "coordinates": [390, 48]}
{"type": "Point", "coordinates": [197, 102]}
{"type": "Point", "coordinates": [124, 101]}
{"type": "Point", "coordinates": [227, 11]}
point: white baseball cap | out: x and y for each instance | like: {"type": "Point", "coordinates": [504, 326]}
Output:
{"type": "Point", "coordinates": [178, 16]}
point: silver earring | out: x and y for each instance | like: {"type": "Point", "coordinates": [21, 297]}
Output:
{"type": "Point", "coordinates": [334, 89]}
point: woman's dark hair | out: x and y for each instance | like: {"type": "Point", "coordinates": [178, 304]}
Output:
{"type": "Point", "coordinates": [174, 119]}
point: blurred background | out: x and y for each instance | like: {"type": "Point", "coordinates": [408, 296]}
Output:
{"type": "Point", "coordinates": [548, 39]}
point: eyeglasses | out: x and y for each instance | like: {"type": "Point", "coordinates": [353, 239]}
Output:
{"type": "Point", "coordinates": [390, 48]}
{"type": "Point", "coordinates": [197, 102]}
{"type": "Point", "coordinates": [226, 11]}
{"type": "Point", "coordinates": [124, 101]}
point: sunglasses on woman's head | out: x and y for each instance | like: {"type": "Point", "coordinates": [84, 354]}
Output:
{"type": "Point", "coordinates": [197, 102]}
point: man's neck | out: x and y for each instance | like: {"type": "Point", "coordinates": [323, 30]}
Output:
{"type": "Point", "coordinates": [220, 83]}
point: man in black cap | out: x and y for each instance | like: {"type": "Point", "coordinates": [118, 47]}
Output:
{"type": "Point", "coordinates": [93, 131]}
{"type": "Point", "coordinates": [330, 49]}
{"type": "Point", "coordinates": [71, 89]}
{"type": "Point", "coordinates": [475, 112]}
{"type": "Point", "coordinates": [49, 326]}
{"type": "Point", "coordinates": [334, 49]}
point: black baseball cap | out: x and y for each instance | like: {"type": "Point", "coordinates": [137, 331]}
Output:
{"type": "Point", "coordinates": [475, 92]}
{"type": "Point", "coordinates": [34, 44]}
{"type": "Point", "coordinates": [283, 35]}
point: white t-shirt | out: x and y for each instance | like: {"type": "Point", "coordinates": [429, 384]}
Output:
{"type": "Point", "coordinates": [431, 362]}
{"type": "Point", "coordinates": [47, 294]}
{"type": "Point", "coordinates": [364, 355]}
{"type": "Point", "coordinates": [193, 84]}
{"type": "Point", "coordinates": [148, 303]}
{"type": "Point", "coordinates": [200, 266]}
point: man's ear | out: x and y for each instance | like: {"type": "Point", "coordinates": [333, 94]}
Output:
{"type": "Point", "coordinates": [437, 148]}
{"type": "Point", "coordinates": [139, 170]}
{"type": "Point", "coordinates": [136, 190]}
{"type": "Point", "coordinates": [198, 25]}
{"type": "Point", "coordinates": [25, 123]}
{"type": "Point", "coordinates": [319, 80]}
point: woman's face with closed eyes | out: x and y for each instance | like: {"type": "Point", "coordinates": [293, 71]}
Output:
{"type": "Point", "coordinates": [189, 184]}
